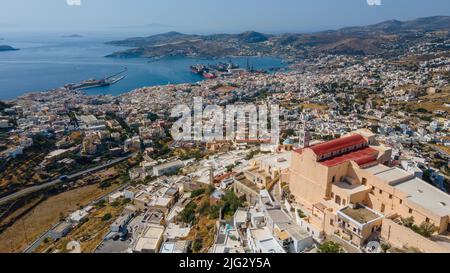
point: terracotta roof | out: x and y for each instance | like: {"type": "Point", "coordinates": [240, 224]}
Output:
{"type": "Point", "coordinates": [337, 144]}
{"type": "Point", "coordinates": [361, 157]}
{"type": "Point", "coordinates": [223, 177]}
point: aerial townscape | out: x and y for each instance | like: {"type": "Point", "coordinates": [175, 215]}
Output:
{"type": "Point", "coordinates": [361, 165]}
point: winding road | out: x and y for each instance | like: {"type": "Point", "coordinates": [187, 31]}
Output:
{"type": "Point", "coordinates": [33, 189]}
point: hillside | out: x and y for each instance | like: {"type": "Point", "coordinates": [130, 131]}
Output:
{"type": "Point", "coordinates": [390, 37]}
{"type": "Point", "coordinates": [7, 48]}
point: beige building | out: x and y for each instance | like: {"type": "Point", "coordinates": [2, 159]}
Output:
{"type": "Point", "coordinates": [151, 241]}
{"type": "Point", "coordinates": [342, 187]}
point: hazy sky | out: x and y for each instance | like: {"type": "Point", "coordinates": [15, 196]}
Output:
{"type": "Point", "coordinates": [206, 16]}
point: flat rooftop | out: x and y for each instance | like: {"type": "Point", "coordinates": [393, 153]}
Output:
{"type": "Point", "coordinates": [351, 189]}
{"type": "Point", "coordinates": [266, 241]}
{"type": "Point", "coordinates": [295, 231]}
{"type": "Point", "coordinates": [278, 216]}
{"type": "Point", "coordinates": [244, 181]}
{"type": "Point", "coordinates": [360, 214]}
{"type": "Point", "coordinates": [280, 161]}
{"type": "Point", "coordinates": [426, 195]}
{"type": "Point", "coordinates": [390, 175]}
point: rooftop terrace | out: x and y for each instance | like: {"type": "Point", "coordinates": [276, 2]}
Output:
{"type": "Point", "coordinates": [360, 214]}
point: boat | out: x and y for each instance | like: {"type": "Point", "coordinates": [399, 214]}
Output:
{"type": "Point", "coordinates": [198, 69]}
{"type": "Point", "coordinates": [209, 75]}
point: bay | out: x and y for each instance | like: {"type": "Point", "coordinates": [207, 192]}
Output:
{"type": "Point", "coordinates": [46, 62]}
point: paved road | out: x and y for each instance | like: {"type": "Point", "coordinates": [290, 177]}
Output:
{"type": "Point", "coordinates": [29, 190]}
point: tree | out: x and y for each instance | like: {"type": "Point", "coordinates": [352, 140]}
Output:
{"type": "Point", "coordinates": [330, 247]}
{"type": "Point", "coordinates": [426, 229]}
{"type": "Point", "coordinates": [188, 214]}
{"type": "Point", "coordinates": [152, 116]}
{"type": "Point", "coordinates": [106, 217]}
{"type": "Point", "coordinates": [198, 192]}
{"type": "Point", "coordinates": [231, 203]}
{"type": "Point", "coordinates": [229, 168]}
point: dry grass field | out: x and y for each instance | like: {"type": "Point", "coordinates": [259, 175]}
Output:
{"type": "Point", "coordinates": [45, 215]}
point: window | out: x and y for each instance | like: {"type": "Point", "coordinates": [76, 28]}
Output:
{"type": "Point", "coordinates": [380, 191]}
{"type": "Point", "coordinates": [401, 201]}
{"type": "Point", "coordinates": [410, 211]}
{"type": "Point", "coordinates": [427, 220]}
{"type": "Point", "coordinates": [333, 179]}
{"type": "Point", "coordinates": [331, 222]}
{"type": "Point", "coordinates": [390, 196]}
{"type": "Point", "coordinates": [364, 181]}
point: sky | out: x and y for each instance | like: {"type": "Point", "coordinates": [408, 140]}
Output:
{"type": "Point", "coordinates": [206, 16]}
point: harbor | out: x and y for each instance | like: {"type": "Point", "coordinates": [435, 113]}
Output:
{"type": "Point", "coordinates": [223, 69]}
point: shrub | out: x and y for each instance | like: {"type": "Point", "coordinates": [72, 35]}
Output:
{"type": "Point", "coordinates": [214, 211]}
{"type": "Point", "coordinates": [198, 244]}
{"type": "Point", "coordinates": [385, 247]}
{"type": "Point", "coordinates": [330, 247]}
{"type": "Point", "coordinates": [105, 184]}
{"type": "Point", "coordinates": [301, 214]}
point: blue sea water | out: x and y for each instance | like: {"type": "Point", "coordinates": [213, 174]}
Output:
{"type": "Point", "coordinates": [46, 62]}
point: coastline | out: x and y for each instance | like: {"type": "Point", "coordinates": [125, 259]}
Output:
{"type": "Point", "coordinates": [143, 72]}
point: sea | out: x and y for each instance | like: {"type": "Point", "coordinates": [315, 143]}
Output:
{"type": "Point", "coordinates": [45, 62]}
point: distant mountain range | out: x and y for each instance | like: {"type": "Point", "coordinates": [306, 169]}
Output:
{"type": "Point", "coordinates": [384, 38]}
{"type": "Point", "coordinates": [7, 48]}
{"type": "Point", "coordinates": [72, 36]}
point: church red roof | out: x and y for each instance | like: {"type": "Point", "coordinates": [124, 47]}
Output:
{"type": "Point", "coordinates": [361, 157]}
{"type": "Point", "coordinates": [337, 144]}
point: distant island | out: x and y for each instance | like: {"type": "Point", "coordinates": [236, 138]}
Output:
{"type": "Point", "coordinates": [7, 48]}
{"type": "Point", "coordinates": [73, 36]}
{"type": "Point", "coordinates": [379, 39]}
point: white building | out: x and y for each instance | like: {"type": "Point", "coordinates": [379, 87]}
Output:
{"type": "Point", "coordinates": [151, 241]}
{"type": "Point", "coordinates": [168, 168]}
{"type": "Point", "coordinates": [260, 240]}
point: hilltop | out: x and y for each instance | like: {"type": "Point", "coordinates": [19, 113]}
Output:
{"type": "Point", "coordinates": [389, 37]}
{"type": "Point", "coordinates": [72, 36]}
{"type": "Point", "coordinates": [7, 48]}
